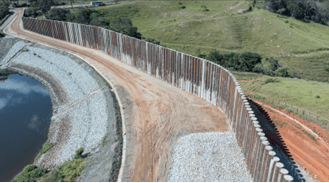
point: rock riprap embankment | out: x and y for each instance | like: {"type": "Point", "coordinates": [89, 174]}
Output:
{"type": "Point", "coordinates": [208, 157]}
{"type": "Point", "coordinates": [83, 109]}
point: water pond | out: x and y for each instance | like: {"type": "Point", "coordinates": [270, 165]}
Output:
{"type": "Point", "coordinates": [25, 112]}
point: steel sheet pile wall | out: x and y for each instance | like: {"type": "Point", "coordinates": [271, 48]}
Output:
{"type": "Point", "coordinates": [195, 75]}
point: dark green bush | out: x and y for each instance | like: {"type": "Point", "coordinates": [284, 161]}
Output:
{"type": "Point", "coordinates": [245, 61]}
{"type": "Point", "coordinates": [81, 16]}
{"type": "Point", "coordinates": [31, 12]}
{"type": "Point", "coordinates": [79, 153]}
{"type": "Point", "coordinates": [274, 64]}
{"type": "Point", "coordinates": [59, 14]}
{"type": "Point", "coordinates": [180, 3]}
{"type": "Point", "coordinates": [182, 7]}
{"type": "Point", "coordinates": [124, 25]}
{"type": "Point", "coordinates": [151, 40]}
{"type": "Point", "coordinates": [304, 10]}
{"type": "Point", "coordinates": [283, 72]}
{"type": "Point", "coordinates": [30, 174]}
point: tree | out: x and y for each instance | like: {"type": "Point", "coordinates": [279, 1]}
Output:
{"type": "Point", "coordinates": [124, 26]}
{"type": "Point", "coordinates": [100, 22]}
{"type": "Point", "coordinates": [280, 11]}
{"type": "Point", "coordinates": [283, 72]}
{"type": "Point", "coordinates": [4, 10]}
{"type": "Point", "coordinates": [216, 57]}
{"type": "Point", "coordinates": [58, 14]}
{"type": "Point", "coordinates": [248, 60]}
{"type": "Point", "coordinates": [31, 12]}
{"type": "Point", "coordinates": [45, 5]}
{"type": "Point", "coordinates": [151, 40]}
{"type": "Point", "coordinates": [81, 16]}
{"type": "Point", "coordinates": [274, 64]}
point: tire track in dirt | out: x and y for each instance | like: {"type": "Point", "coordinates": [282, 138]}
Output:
{"type": "Point", "coordinates": [161, 112]}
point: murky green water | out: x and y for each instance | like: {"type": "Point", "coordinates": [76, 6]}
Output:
{"type": "Point", "coordinates": [25, 112]}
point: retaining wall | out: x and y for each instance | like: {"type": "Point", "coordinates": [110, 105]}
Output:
{"type": "Point", "coordinates": [198, 76]}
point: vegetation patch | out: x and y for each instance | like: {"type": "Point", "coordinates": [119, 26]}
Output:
{"type": "Point", "coordinates": [4, 10]}
{"type": "Point", "coordinates": [31, 173]}
{"type": "Point", "coordinates": [45, 148]}
{"type": "Point", "coordinates": [69, 170]}
{"type": "Point", "coordinates": [104, 140]}
{"type": "Point", "coordinates": [308, 134]}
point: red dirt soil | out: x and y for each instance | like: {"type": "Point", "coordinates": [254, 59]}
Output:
{"type": "Point", "coordinates": [308, 151]}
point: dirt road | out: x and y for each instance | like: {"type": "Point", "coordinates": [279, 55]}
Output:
{"type": "Point", "coordinates": [305, 140]}
{"type": "Point", "coordinates": [156, 113]}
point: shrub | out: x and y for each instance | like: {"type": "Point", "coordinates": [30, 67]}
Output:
{"type": "Point", "coordinates": [259, 68]}
{"type": "Point", "coordinates": [59, 14]}
{"type": "Point", "coordinates": [274, 64]}
{"type": "Point", "coordinates": [79, 153]}
{"type": "Point", "coordinates": [30, 174]}
{"type": "Point", "coordinates": [45, 148]}
{"type": "Point", "coordinates": [283, 72]}
{"type": "Point", "coordinates": [151, 40]}
{"type": "Point", "coordinates": [245, 61]}
{"type": "Point", "coordinates": [99, 21]}
{"type": "Point", "coordinates": [124, 25]}
{"type": "Point", "coordinates": [81, 16]}
{"type": "Point", "coordinates": [180, 3]}
{"type": "Point", "coordinates": [31, 12]}
{"type": "Point", "coordinates": [182, 7]}
{"type": "Point", "coordinates": [69, 170]}
{"type": "Point", "coordinates": [317, 96]}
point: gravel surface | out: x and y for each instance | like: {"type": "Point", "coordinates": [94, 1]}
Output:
{"type": "Point", "coordinates": [14, 49]}
{"type": "Point", "coordinates": [83, 109]}
{"type": "Point", "coordinates": [3, 26]}
{"type": "Point", "coordinates": [208, 157]}
{"type": "Point", "coordinates": [86, 104]}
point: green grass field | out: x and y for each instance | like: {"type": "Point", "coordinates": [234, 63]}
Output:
{"type": "Point", "coordinates": [300, 93]}
{"type": "Point", "coordinates": [302, 47]}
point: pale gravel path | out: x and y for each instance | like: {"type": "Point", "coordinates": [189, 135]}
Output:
{"type": "Point", "coordinates": [208, 157]}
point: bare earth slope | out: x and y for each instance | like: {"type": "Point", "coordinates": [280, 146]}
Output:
{"type": "Point", "coordinates": [156, 113]}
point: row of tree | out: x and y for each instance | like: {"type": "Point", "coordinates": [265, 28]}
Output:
{"type": "Point", "coordinates": [91, 17]}
{"type": "Point", "coordinates": [4, 10]}
{"type": "Point", "coordinates": [305, 10]}
{"type": "Point", "coordinates": [247, 62]}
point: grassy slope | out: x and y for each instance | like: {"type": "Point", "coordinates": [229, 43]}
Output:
{"type": "Point", "coordinates": [293, 91]}
{"type": "Point", "coordinates": [223, 29]}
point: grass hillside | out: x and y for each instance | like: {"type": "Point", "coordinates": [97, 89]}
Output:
{"type": "Point", "coordinates": [302, 47]}
{"type": "Point", "coordinates": [310, 96]}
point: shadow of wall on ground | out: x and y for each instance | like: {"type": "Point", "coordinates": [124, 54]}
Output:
{"type": "Point", "coordinates": [276, 141]}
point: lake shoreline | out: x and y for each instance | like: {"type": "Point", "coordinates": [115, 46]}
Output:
{"type": "Point", "coordinates": [83, 105]}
